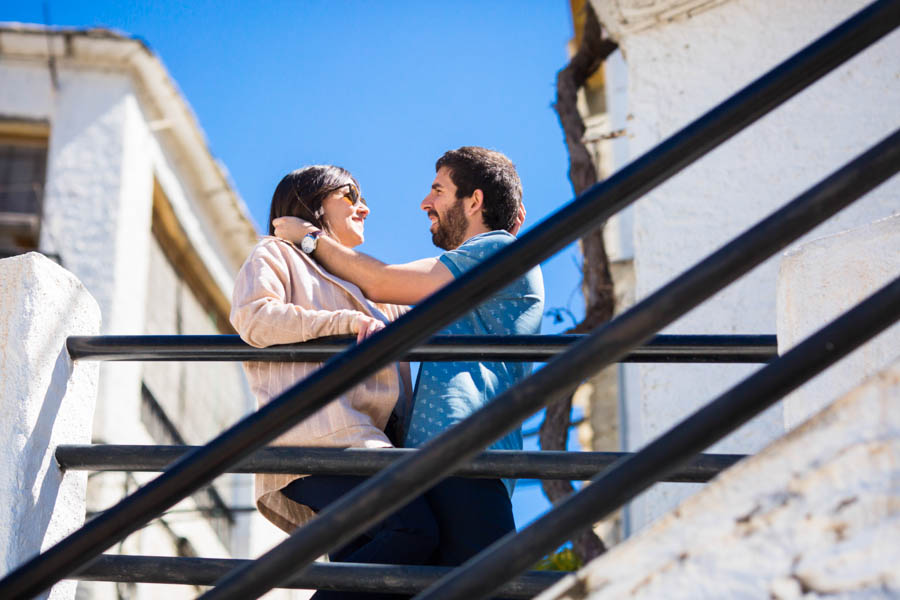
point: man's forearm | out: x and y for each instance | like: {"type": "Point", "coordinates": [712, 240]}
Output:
{"type": "Point", "coordinates": [356, 267]}
{"type": "Point", "coordinates": [395, 284]}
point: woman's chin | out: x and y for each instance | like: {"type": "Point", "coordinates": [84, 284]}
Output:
{"type": "Point", "coordinates": [350, 239]}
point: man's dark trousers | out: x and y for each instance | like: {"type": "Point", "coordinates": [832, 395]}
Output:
{"type": "Point", "coordinates": [471, 514]}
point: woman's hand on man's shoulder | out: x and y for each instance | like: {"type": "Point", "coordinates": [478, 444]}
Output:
{"type": "Point", "coordinates": [292, 229]}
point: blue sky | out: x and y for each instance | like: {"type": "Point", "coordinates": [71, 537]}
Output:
{"type": "Point", "coordinates": [382, 89]}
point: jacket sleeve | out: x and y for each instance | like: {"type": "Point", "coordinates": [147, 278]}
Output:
{"type": "Point", "coordinates": [393, 311]}
{"type": "Point", "coordinates": [263, 317]}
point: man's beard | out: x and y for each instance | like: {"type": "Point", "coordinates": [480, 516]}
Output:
{"type": "Point", "coordinates": [451, 228]}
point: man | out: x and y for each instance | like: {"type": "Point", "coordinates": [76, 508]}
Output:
{"type": "Point", "coordinates": [475, 206]}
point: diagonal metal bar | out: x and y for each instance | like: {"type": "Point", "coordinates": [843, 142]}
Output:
{"type": "Point", "coordinates": [360, 461]}
{"type": "Point", "coordinates": [397, 485]}
{"type": "Point", "coordinates": [349, 368]}
{"type": "Point", "coordinates": [527, 348]}
{"type": "Point", "coordinates": [344, 577]}
{"type": "Point", "coordinates": [483, 573]}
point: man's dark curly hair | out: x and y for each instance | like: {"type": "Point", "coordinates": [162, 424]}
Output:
{"type": "Point", "coordinates": [474, 168]}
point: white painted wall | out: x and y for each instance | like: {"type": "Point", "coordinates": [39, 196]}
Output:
{"type": "Point", "coordinates": [618, 234]}
{"type": "Point", "coordinates": [46, 399]}
{"type": "Point", "coordinates": [27, 92]}
{"type": "Point", "coordinates": [676, 70]}
{"type": "Point", "coordinates": [96, 217]}
{"type": "Point", "coordinates": [819, 281]}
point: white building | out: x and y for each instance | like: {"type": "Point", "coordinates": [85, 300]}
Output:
{"type": "Point", "coordinates": [676, 60]}
{"type": "Point", "coordinates": [104, 168]}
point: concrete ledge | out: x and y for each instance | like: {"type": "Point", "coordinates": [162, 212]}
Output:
{"type": "Point", "coordinates": [46, 399]}
{"type": "Point", "coordinates": [819, 281]}
{"type": "Point", "coordinates": [815, 514]}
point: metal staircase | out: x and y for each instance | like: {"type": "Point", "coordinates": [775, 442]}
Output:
{"type": "Point", "coordinates": [330, 461]}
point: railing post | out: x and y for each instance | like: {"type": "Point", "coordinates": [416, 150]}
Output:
{"type": "Point", "coordinates": [820, 280]}
{"type": "Point", "coordinates": [45, 400]}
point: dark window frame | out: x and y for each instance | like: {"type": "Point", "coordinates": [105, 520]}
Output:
{"type": "Point", "coordinates": [23, 156]}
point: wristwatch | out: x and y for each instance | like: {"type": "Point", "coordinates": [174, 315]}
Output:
{"type": "Point", "coordinates": [309, 241]}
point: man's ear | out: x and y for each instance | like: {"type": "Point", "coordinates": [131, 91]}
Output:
{"type": "Point", "coordinates": [474, 203]}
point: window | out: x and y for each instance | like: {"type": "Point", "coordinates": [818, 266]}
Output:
{"type": "Point", "coordinates": [23, 166]}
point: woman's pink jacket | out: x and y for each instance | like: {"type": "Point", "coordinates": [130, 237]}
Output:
{"type": "Point", "coordinates": [282, 296]}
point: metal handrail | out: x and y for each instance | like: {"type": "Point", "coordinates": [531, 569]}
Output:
{"type": "Point", "coordinates": [479, 576]}
{"type": "Point", "coordinates": [349, 368]}
{"type": "Point", "coordinates": [345, 577]}
{"type": "Point", "coordinates": [526, 348]}
{"type": "Point", "coordinates": [397, 485]}
{"type": "Point", "coordinates": [361, 461]}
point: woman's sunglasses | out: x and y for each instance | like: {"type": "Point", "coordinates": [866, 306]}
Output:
{"type": "Point", "coordinates": [351, 196]}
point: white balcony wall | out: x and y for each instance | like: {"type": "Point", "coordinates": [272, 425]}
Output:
{"type": "Point", "coordinates": [682, 59]}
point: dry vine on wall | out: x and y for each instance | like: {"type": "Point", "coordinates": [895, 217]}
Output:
{"type": "Point", "coordinates": [597, 281]}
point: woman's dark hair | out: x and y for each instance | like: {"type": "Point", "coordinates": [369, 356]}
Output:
{"type": "Point", "coordinates": [300, 193]}
{"type": "Point", "coordinates": [475, 168]}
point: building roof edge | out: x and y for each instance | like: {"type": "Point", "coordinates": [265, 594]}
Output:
{"type": "Point", "coordinates": [224, 206]}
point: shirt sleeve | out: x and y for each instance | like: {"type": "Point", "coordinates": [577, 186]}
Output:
{"type": "Point", "coordinates": [263, 317]}
{"type": "Point", "coordinates": [473, 251]}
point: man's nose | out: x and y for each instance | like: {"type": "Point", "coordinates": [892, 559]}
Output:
{"type": "Point", "coordinates": [426, 203]}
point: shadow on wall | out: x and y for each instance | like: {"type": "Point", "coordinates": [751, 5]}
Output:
{"type": "Point", "coordinates": [37, 511]}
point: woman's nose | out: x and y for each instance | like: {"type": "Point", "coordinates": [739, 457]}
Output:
{"type": "Point", "coordinates": [363, 211]}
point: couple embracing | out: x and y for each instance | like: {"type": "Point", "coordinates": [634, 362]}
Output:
{"type": "Point", "coordinates": [305, 280]}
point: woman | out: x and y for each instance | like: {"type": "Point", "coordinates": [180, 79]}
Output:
{"type": "Point", "coordinates": [282, 296]}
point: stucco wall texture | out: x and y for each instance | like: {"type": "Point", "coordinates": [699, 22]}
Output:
{"type": "Point", "coordinates": [812, 516]}
{"type": "Point", "coordinates": [677, 70]}
{"type": "Point", "coordinates": [46, 399]}
{"type": "Point", "coordinates": [819, 281]}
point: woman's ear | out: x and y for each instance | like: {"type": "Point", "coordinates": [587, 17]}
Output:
{"type": "Point", "coordinates": [322, 224]}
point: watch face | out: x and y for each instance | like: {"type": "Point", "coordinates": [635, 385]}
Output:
{"type": "Point", "coordinates": [308, 243]}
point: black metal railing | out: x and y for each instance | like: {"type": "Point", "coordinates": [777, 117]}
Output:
{"type": "Point", "coordinates": [163, 430]}
{"type": "Point", "coordinates": [358, 461]}
{"type": "Point", "coordinates": [410, 476]}
{"type": "Point", "coordinates": [385, 579]}
{"type": "Point", "coordinates": [527, 348]}
{"type": "Point", "coordinates": [351, 461]}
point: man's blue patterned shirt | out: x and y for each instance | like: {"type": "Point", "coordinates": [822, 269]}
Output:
{"type": "Point", "coordinates": [448, 392]}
